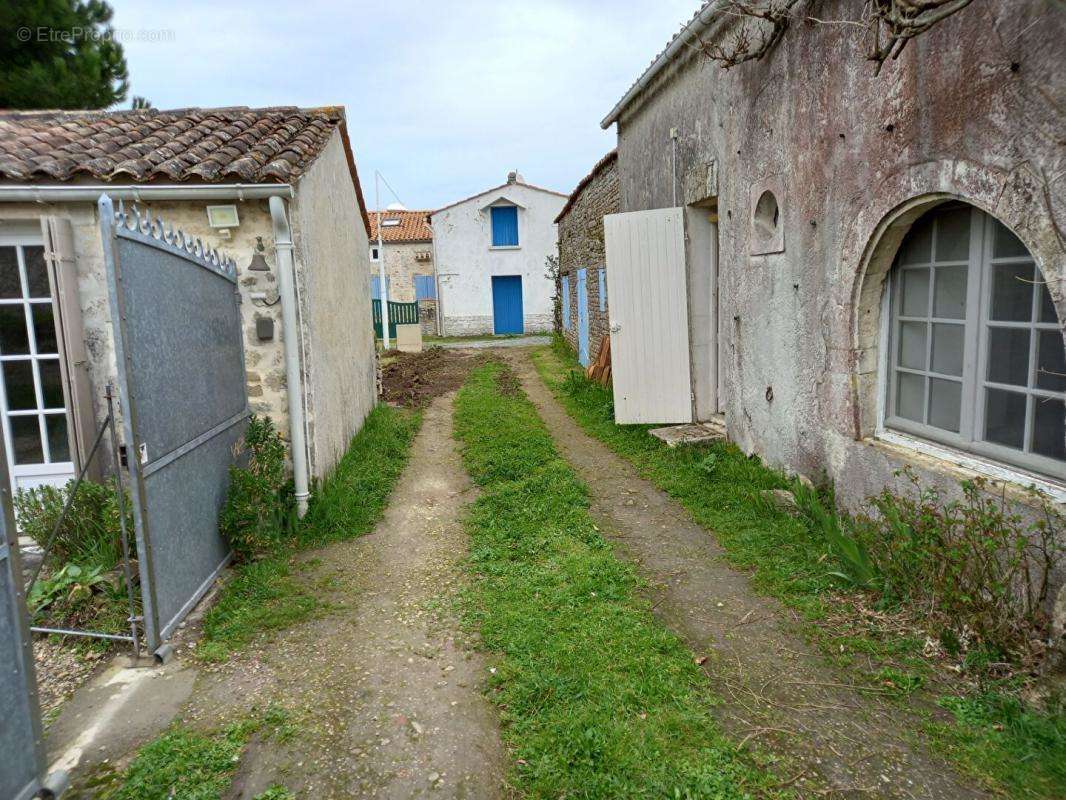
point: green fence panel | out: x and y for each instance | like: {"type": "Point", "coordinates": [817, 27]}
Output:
{"type": "Point", "coordinates": [399, 314]}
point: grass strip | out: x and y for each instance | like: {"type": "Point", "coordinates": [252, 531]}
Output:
{"type": "Point", "coordinates": [1008, 746]}
{"type": "Point", "coordinates": [597, 699]}
{"type": "Point", "coordinates": [269, 595]}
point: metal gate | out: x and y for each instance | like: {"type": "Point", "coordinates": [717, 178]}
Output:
{"type": "Point", "coordinates": [178, 343]}
{"type": "Point", "coordinates": [22, 757]}
{"type": "Point", "coordinates": [649, 316]}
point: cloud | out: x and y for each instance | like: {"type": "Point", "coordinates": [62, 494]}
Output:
{"type": "Point", "coordinates": [443, 98]}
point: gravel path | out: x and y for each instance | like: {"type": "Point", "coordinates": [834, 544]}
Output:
{"type": "Point", "coordinates": [836, 740]}
{"type": "Point", "coordinates": [383, 693]}
{"type": "Point", "coordinates": [482, 344]}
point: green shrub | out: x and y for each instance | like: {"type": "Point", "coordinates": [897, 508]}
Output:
{"type": "Point", "coordinates": [258, 512]}
{"type": "Point", "coordinates": [76, 596]}
{"type": "Point", "coordinates": [982, 571]}
{"type": "Point", "coordinates": [90, 533]}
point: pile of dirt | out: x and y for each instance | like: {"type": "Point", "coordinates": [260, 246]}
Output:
{"type": "Point", "coordinates": [414, 379]}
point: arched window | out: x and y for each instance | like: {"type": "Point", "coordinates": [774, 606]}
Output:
{"type": "Point", "coordinates": [975, 357]}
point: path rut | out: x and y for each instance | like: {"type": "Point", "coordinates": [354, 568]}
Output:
{"type": "Point", "coordinates": [837, 740]}
{"type": "Point", "coordinates": [384, 691]}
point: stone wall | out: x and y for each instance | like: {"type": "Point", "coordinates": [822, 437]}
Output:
{"type": "Point", "coordinates": [581, 247]}
{"type": "Point", "coordinates": [403, 261]}
{"type": "Point", "coordinates": [970, 110]}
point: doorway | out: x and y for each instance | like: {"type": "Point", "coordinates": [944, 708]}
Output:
{"type": "Point", "coordinates": [507, 316]}
{"type": "Point", "coordinates": [33, 403]}
{"type": "Point", "coordinates": [705, 313]}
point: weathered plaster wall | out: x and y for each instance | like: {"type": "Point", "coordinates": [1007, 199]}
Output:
{"type": "Point", "coordinates": [333, 258]}
{"type": "Point", "coordinates": [581, 247]}
{"type": "Point", "coordinates": [972, 110]}
{"type": "Point", "coordinates": [466, 260]}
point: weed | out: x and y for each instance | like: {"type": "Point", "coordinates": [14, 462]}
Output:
{"type": "Point", "coordinates": [91, 532]}
{"type": "Point", "coordinates": [597, 698]}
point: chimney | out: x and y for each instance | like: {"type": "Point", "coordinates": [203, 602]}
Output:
{"type": "Point", "coordinates": [514, 177]}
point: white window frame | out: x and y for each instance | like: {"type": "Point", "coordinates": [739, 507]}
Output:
{"type": "Point", "coordinates": [965, 448]}
{"type": "Point", "coordinates": [48, 471]}
{"type": "Point", "coordinates": [375, 255]}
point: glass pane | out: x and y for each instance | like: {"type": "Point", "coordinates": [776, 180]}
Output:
{"type": "Point", "coordinates": [44, 328]}
{"type": "Point", "coordinates": [1049, 438]}
{"type": "Point", "coordinates": [51, 383]}
{"type": "Point", "coordinates": [58, 443]}
{"type": "Point", "coordinates": [26, 438]}
{"type": "Point", "coordinates": [910, 396]}
{"type": "Point", "coordinates": [1012, 292]}
{"type": "Point", "coordinates": [13, 338]}
{"type": "Point", "coordinates": [1006, 244]}
{"type": "Point", "coordinates": [917, 247]}
{"type": "Point", "coordinates": [1008, 355]}
{"type": "Point", "coordinates": [10, 284]}
{"type": "Point", "coordinates": [948, 348]}
{"type": "Point", "coordinates": [953, 235]}
{"type": "Point", "coordinates": [1050, 362]}
{"type": "Point", "coordinates": [949, 296]}
{"type": "Point", "coordinates": [1047, 308]}
{"type": "Point", "coordinates": [1005, 417]}
{"type": "Point", "coordinates": [36, 273]}
{"type": "Point", "coordinates": [18, 383]}
{"type": "Point", "coordinates": [915, 292]}
{"type": "Point", "coordinates": [945, 404]}
{"type": "Point", "coordinates": [912, 344]}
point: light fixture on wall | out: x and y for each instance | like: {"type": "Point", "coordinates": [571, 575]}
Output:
{"type": "Point", "coordinates": [258, 263]}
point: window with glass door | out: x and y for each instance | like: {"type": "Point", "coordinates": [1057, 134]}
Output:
{"type": "Point", "coordinates": [31, 390]}
{"type": "Point", "coordinates": [975, 354]}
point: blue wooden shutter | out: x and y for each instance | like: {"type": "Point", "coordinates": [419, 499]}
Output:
{"type": "Point", "coordinates": [566, 302]}
{"type": "Point", "coordinates": [425, 288]}
{"type": "Point", "coordinates": [375, 287]}
{"type": "Point", "coordinates": [504, 226]}
{"type": "Point", "coordinates": [603, 290]}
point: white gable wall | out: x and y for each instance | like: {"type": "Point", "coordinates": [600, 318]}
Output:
{"type": "Point", "coordinates": [466, 260]}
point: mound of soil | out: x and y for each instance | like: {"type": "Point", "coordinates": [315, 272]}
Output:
{"type": "Point", "coordinates": [414, 379]}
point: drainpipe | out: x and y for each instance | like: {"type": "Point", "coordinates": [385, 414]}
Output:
{"type": "Point", "coordinates": [292, 334]}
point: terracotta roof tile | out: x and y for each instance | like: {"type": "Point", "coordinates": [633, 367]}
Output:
{"type": "Point", "coordinates": [413, 226]}
{"type": "Point", "coordinates": [249, 145]}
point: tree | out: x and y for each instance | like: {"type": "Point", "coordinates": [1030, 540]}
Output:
{"type": "Point", "coordinates": [887, 24]}
{"type": "Point", "coordinates": [59, 54]}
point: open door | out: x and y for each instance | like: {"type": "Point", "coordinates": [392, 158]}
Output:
{"type": "Point", "coordinates": [649, 319]}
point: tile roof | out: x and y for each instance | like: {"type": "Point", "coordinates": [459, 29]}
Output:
{"type": "Point", "coordinates": [413, 227]}
{"type": "Point", "coordinates": [236, 145]}
{"type": "Point", "coordinates": [601, 165]}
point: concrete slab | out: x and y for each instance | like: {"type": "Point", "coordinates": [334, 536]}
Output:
{"type": "Point", "coordinates": [409, 338]}
{"type": "Point", "coordinates": [694, 433]}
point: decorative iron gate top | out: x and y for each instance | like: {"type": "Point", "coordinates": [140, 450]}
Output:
{"type": "Point", "coordinates": [141, 227]}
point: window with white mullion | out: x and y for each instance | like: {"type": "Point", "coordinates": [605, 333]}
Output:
{"type": "Point", "coordinates": [977, 357]}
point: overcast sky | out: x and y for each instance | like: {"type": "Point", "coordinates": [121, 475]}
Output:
{"type": "Point", "coordinates": [444, 98]}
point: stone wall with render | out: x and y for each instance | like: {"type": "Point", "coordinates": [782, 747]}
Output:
{"type": "Point", "coordinates": [403, 261]}
{"type": "Point", "coordinates": [333, 256]}
{"type": "Point", "coordinates": [971, 110]}
{"type": "Point", "coordinates": [581, 247]}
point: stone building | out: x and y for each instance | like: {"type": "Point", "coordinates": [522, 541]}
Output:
{"type": "Point", "coordinates": [873, 264]}
{"type": "Point", "coordinates": [407, 247]}
{"type": "Point", "coordinates": [582, 286]}
{"type": "Point", "coordinates": [491, 253]}
{"type": "Point", "coordinates": [177, 165]}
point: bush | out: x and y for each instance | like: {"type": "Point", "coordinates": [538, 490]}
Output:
{"type": "Point", "coordinates": [75, 596]}
{"type": "Point", "coordinates": [90, 533]}
{"type": "Point", "coordinates": [259, 510]}
{"type": "Point", "coordinates": [979, 568]}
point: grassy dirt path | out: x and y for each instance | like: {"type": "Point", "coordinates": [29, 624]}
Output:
{"type": "Point", "coordinates": [378, 697]}
{"type": "Point", "coordinates": [834, 738]}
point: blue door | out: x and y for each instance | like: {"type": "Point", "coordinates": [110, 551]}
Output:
{"type": "Point", "coordinates": [582, 317]}
{"type": "Point", "coordinates": [507, 304]}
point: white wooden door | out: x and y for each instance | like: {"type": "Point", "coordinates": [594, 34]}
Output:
{"type": "Point", "coordinates": [649, 316]}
